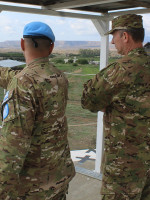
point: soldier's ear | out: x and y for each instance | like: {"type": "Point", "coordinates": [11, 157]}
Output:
{"type": "Point", "coordinates": [125, 37]}
{"type": "Point", "coordinates": [22, 44]}
{"type": "Point", "coordinates": [51, 48]}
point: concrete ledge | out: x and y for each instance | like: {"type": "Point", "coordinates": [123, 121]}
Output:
{"type": "Point", "coordinates": [88, 172]}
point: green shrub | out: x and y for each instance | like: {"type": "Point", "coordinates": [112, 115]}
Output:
{"type": "Point", "coordinates": [82, 61]}
{"type": "Point", "coordinates": [59, 60]}
{"type": "Point", "coordinates": [70, 61]}
{"type": "Point", "coordinates": [75, 64]}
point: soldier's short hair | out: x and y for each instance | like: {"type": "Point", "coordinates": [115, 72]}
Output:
{"type": "Point", "coordinates": [137, 34]}
{"type": "Point", "coordinates": [38, 43]}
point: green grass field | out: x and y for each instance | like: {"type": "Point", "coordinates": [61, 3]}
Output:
{"type": "Point", "coordinates": [82, 124]}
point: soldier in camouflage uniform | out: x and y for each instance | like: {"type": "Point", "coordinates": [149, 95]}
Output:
{"type": "Point", "coordinates": [35, 161]}
{"type": "Point", "coordinates": [122, 92]}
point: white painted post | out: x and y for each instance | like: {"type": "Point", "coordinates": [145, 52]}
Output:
{"type": "Point", "coordinates": [102, 27]}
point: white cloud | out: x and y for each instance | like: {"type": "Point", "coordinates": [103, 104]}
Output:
{"type": "Point", "coordinates": [54, 21]}
{"type": "Point", "coordinates": [82, 27]}
{"type": "Point", "coordinates": [8, 28]}
{"type": "Point", "coordinates": [12, 24]}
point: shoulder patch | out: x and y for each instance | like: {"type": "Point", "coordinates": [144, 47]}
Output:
{"type": "Point", "coordinates": [6, 107]}
{"type": "Point", "coordinates": [6, 96]}
{"type": "Point", "coordinates": [5, 111]}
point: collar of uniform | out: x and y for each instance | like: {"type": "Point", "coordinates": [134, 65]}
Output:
{"type": "Point", "coordinates": [137, 51]}
{"type": "Point", "coordinates": [38, 61]}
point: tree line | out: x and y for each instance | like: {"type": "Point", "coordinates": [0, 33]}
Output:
{"type": "Point", "coordinates": [13, 56]}
{"type": "Point", "coordinates": [89, 52]}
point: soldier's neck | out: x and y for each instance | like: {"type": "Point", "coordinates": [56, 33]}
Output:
{"type": "Point", "coordinates": [30, 57]}
{"type": "Point", "coordinates": [133, 46]}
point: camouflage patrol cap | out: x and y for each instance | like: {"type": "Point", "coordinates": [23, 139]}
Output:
{"type": "Point", "coordinates": [126, 22]}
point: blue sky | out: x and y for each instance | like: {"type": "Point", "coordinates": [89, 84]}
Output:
{"type": "Point", "coordinates": [68, 29]}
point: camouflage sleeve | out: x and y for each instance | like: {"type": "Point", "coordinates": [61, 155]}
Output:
{"type": "Point", "coordinates": [6, 74]}
{"type": "Point", "coordinates": [100, 91]}
{"type": "Point", "coordinates": [18, 115]}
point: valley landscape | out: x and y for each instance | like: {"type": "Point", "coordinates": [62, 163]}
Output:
{"type": "Point", "coordinates": [60, 46]}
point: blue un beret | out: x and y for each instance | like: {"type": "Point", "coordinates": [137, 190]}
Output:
{"type": "Point", "coordinates": [38, 29]}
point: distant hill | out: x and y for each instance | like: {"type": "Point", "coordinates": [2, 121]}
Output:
{"type": "Point", "coordinates": [60, 46]}
{"type": "Point", "coordinates": [77, 44]}
{"type": "Point", "coordinates": [10, 44]}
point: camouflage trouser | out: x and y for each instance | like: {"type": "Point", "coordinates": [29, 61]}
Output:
{"type": "Point", "coordinates": [144, 195]}
{"type": "Point", "coordinates": [44, 196]}
{"type": "Point", "coordinates": [128, 197]}
{"type": "Point", "coordinates": [120, 197]}
{"type": "Point", "coordinates": [60, 196]}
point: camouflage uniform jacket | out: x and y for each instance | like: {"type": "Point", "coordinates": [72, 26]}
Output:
{"type": "Point", "coordinates": [35, 158]}
{"type": "Point", "coordinates": [122, 92]}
